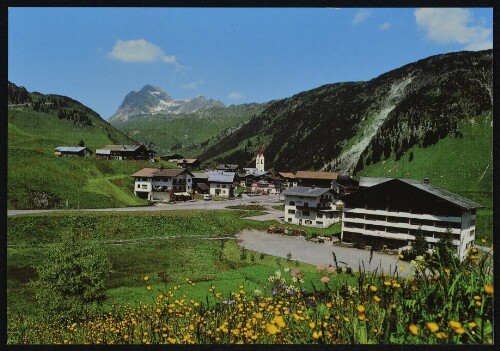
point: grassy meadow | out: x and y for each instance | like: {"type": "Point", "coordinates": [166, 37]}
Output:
{"type": "Point", "coordinates": [171, 282]}
{"type": "Point", "coordinates": [34, 172]}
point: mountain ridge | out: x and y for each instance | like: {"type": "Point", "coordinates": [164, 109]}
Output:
{"type": "Point", "coordinates": [152, 99]}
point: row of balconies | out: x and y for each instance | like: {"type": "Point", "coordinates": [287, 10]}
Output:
{"type": "Point", "coordinates": [396, 235]}
{"type": "Point", "coordinates": [383, 213]}
{"type": "Point", "coordinates": [403, 225]}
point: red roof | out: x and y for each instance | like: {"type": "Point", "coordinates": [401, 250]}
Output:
{"type": "Point", "coordinates": [261, 150]}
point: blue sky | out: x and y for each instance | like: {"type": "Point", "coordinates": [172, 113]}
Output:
{"type": "Point", "coordinates": [236, 55]}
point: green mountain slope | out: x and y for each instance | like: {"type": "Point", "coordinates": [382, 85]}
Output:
{"type": "Point", "coordinates": [188, 134]}
{"type": "Point", "coordinates": [38, 179]}
{"type": "Point", "coordinates": [340, 126]}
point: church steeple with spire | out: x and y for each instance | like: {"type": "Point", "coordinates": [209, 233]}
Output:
{"type": "Point", "coordinates": [259, 160]}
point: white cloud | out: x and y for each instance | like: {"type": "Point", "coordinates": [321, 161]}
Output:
{"type": "Point", "coordinates": [361, 16]}
{"type": "Point", "coordinates": [453, 25]}
{"type": "Point", "coordinates": [384, 26]}
{"type": "Point", "coordinates": [235, 96]}
{"type": "Point", "coordinates": [139, 51]}
{"type": "Point", "coordinates": [193, 85]}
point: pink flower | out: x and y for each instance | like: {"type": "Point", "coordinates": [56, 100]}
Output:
{"type": "Point", "coordinates": [320, 267]}
{"type": "Point", "coordinates": [325, 280]}
{"type": "Point", "coordinates": [295, 272]}
{"type": "Point", "coordinates": [330, 270]}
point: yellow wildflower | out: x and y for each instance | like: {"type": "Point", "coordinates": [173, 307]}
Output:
{"type": "Point", "coordinates": [279, 320]}
{"type": "Point", "coordinates": [373, 288]}
{"type": "Point", "coordinates": [271, 329]}
{"type": "Point", "coordinates": [312, 325]}
{"type": "Point", "coordinates": [361, 308]}
{"type": "Point", "coordinates": [413, 329]}
{"type": "Point", "coordinates": [454, 324]}
{"type": "Point", "coordinates": [488, 289]}
{"type": "Point", "coordinates": [433, 327]}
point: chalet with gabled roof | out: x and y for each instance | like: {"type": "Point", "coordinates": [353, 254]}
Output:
{"type": "Point", "coordinates": [388, 212]}
{"type": "Point", "coordinates": [72, 151]}
{"type": "Point", "coordinates": [163, 184]}
{"type": "Point", "coordinates": [311, 206]}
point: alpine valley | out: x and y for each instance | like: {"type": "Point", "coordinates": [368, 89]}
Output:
{"type": "Point", "coordinates": [432, 118]}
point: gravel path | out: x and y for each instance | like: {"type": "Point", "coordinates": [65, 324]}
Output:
{"type": "Point", "coordinates": [315, 253]}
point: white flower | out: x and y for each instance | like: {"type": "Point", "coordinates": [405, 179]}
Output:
{"type": "Point", "coordinates": [294, 279]}
{"type": "Point", "coordinates": [286, 269]}
{"type": "Point", "coordinates": [278, 274]}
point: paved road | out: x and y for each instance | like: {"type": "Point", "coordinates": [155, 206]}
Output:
{"type": "Point", "coordinates": [189, 205]}
{"type": "Point", "coordinates": [315, 253]}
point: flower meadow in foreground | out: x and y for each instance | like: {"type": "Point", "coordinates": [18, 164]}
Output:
{"type": "Point", "coordinates": [435, 305]}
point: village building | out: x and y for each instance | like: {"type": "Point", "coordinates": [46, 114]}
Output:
{"type": "Point", "coordinates": [200, 183]}
{"type": "Point", "coordinates": [311, 206]}
{"type": "Point", "coordinates": [163, 184]}
{"type": "Point", "coordinates": [221, 183]}
{"type": "Point", "coordinates": [227, 168]}
{"type": "Point", "coordinates": [345, 184]}
{"type": "Point", "coordinates": [259, 159]}
{"type": "Point", "coordinates": [188, 163]}
{"type": "Point", "coordinates": [72, 151]}
{"type": "Point", "coordinates": [250, 176]}
{"type": "Point", "coordinates": [125, 152]}
{"type": "Point", "coordinates": [171, 157]}
{"type": "Point", "coordinates": [317, 179]}
{"type": "Point", "coordinates": [289, 179]}
{"type": "Point", "coordinates": [263, 187]}
{"type": "Point", "coordinates": [387, 213]}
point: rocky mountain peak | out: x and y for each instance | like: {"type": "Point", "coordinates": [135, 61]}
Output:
{"type": "Point", "coordinates": [152, 99]}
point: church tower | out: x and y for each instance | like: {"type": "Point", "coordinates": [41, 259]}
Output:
{"type": "Point", "coordinates": [259, 160]}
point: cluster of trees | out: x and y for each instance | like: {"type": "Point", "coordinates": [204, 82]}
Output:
{"type": "Point", "coordinates": [17, 95]}
{"type": "Point", "coordinates": [49, 104]}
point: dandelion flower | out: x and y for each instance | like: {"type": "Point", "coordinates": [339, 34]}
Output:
{"type": "Point", "coordinates": [312, 325]}
{"type": "Point", "coordinates": [361, 308]}
{"type": "Point", "coordinates": [279, 321]}
{"type": "Point", "coordinates": [472, 324]}
{"type": "Point", "coordinates": [433, 327]}
{"type": "Point", "coordinates": [361, 316]}
{"type": "Point", "coordinates": [376, 299]}
{"type": "Point", "coordinates": [488, 289]}
{"type": "Point", "coordinates": [146, 278]}
{"type": "Point", "coordinates": [441, 335]}
{"type": "Point", "coordinates": [271, 329]}
{"type": "Point", "coordinates": [413, 329]}
{"type": "Point", "coordinates": [315, 335]}
{"type": "Point", "coordinates": [373, 288]}
{"type": "Point", "coordinates": [454, 324]}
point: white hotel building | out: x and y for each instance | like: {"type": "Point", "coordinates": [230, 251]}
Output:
{"type": "Point", "coordinates": [387, 213]}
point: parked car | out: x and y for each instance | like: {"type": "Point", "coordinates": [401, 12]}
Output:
{"type": "Point", "coordinates": [207, 197]}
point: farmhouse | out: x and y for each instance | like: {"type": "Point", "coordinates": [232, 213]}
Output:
{"type": "Point", "coordinates": [227, 168]}
{"type": "Point", "coordinates": [189, 163]}
{"type": "Point", "coordinates": [158, 184]}
{"type": "Point", "coordinates": [126, 152]}
{"type": "Point", "coordinates": [221, 183]}
{"type": "Point", "coordinates": [387, 213]}
{"type": "Point", "coordinates": [72, 151]}
{"type": "Point", "coordinates": [171, 157]}
{"type": "Point", "coordinates": [318, 179]}
{"type": "Point", "coordinates": [289, 179]}
{"type": "Point", "coordinates": [200, 183]}
{"type": "Point", "coordinates": [310, 206]}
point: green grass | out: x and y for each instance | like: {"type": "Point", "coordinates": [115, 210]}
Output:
{"type": "Point", "coordinates": [72, 182]}
{"type": "Point", "coordinates": [167, 242]}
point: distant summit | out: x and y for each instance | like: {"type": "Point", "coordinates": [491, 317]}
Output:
{"type": "Point", "coordinates": [154, 100]}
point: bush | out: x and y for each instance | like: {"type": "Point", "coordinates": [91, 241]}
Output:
{"type": "Point", "coordinates": [71, 282]}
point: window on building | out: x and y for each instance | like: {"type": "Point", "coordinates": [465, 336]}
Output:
{"type": "Point", "coordinates": [307, 213]}
{"type": "Point", "coordinates": [292, 203]}
{"type": "Point", "coordinates": [138, 186]}
{"type": "Point", "coordinates": [307, 221]}
{"type": "Point", "coordinates": [320, 215]}
{"type": "Point", "coordinates": [144, 186]}
{"type": "Point", "coordinates": [289, 219]}
{"type": "Point", "coordinates": [224, 186]}
{"type": "Point", "coordinates": [318, 222]}
{"type": "Point", "coordinates": [218, 185]}
{"type": "Point", "coordinates": [306, 204]}
{"type": "Point", "coordinates": [189, 180]}
{"type": "Point", "coordinates": [291, 211]}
